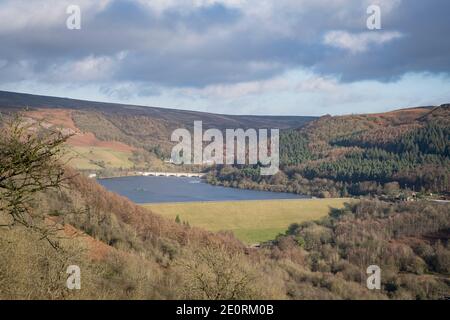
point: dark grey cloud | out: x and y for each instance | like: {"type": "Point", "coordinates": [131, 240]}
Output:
{"type": "Point", "coordinates": [219, 43]}
{"type": "Point", "coordinates": [424, 47]}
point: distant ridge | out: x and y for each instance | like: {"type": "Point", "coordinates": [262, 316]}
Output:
{"type": "Point", "coordinates": [14, 100]}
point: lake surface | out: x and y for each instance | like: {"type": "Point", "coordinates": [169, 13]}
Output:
{"type": "Point", "coordinates": [179, 189]}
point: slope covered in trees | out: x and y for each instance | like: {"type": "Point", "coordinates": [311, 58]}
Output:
{"type": "Point", "coordinates": [408, 241]}
{"type": "Point", "coordinates": [358, 155]}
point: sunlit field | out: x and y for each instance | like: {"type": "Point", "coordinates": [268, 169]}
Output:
{"type": "Point", "coordinates": [251, 221]}
{"type": "Point", "coordinates": [94, 158]}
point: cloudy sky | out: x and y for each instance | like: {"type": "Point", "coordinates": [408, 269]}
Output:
{"type": "Point", "coordinates": [282, 57]}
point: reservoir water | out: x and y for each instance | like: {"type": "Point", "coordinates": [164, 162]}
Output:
{"type": "Point", "coordinates": [178, 189]}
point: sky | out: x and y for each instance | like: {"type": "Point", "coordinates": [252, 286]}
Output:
{"type": "Point", "coordinates": [280, 57]}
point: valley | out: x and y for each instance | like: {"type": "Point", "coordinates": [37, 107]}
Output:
{"type": "Point", "coordinates": [352, 191]}
{"type": "Point", "coordinates": [229, 157]}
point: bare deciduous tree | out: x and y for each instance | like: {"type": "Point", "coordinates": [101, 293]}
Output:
{"type": "Point", "coordinates": [217, 273]}
{"type": "Point", "coordinates": [30, 162]}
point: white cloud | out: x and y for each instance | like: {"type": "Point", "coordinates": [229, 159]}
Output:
{"type": "Point", "coordinates": [88, 69]}
{"type": "Point", "coordinates": [293, 82]}
{"type": "Point", "coordinates": [360, 42]}
{"type": "Point", "coordinates": [318, 84]}
{"type": "Point", "coordinates": [239, 90]}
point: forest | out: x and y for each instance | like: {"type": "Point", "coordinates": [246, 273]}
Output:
{"type": "Point", "coordinates": [342, 156]}
{"type": "Point", "coordinates": [406, 240]}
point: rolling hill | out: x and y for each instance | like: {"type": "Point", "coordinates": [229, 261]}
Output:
{"type": "Point", "coordinates": [116, 136]}
{"type": "Point", "coordinates": [355, 155]}
{"type": "Point", "coordinates": [13, 100]}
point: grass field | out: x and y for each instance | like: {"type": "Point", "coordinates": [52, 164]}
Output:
{"type": "Point", "coordinates": [88, 158]}
{"type": "Point", "coordinates": [251, 221]}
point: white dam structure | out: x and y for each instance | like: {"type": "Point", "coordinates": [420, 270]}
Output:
{"type": "Point", "coordinates": [172, 174]}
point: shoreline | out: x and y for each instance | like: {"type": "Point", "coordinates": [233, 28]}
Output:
{"type": "Point", "coordinates": [251, 200]}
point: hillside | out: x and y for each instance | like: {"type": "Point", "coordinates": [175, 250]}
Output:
{"type": "Point", "coordinates": [126, 252]}
{"type": "Point", "coordinates": [14, 100]}
{"type": "Point", "coordinates": [115, 136]}
{"type": "Point", "coordinates": [51, 217]}
{"type": "Point", "coordinates": [377, 154]}
{"type": "Point", "coordinates": [340, 156]}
